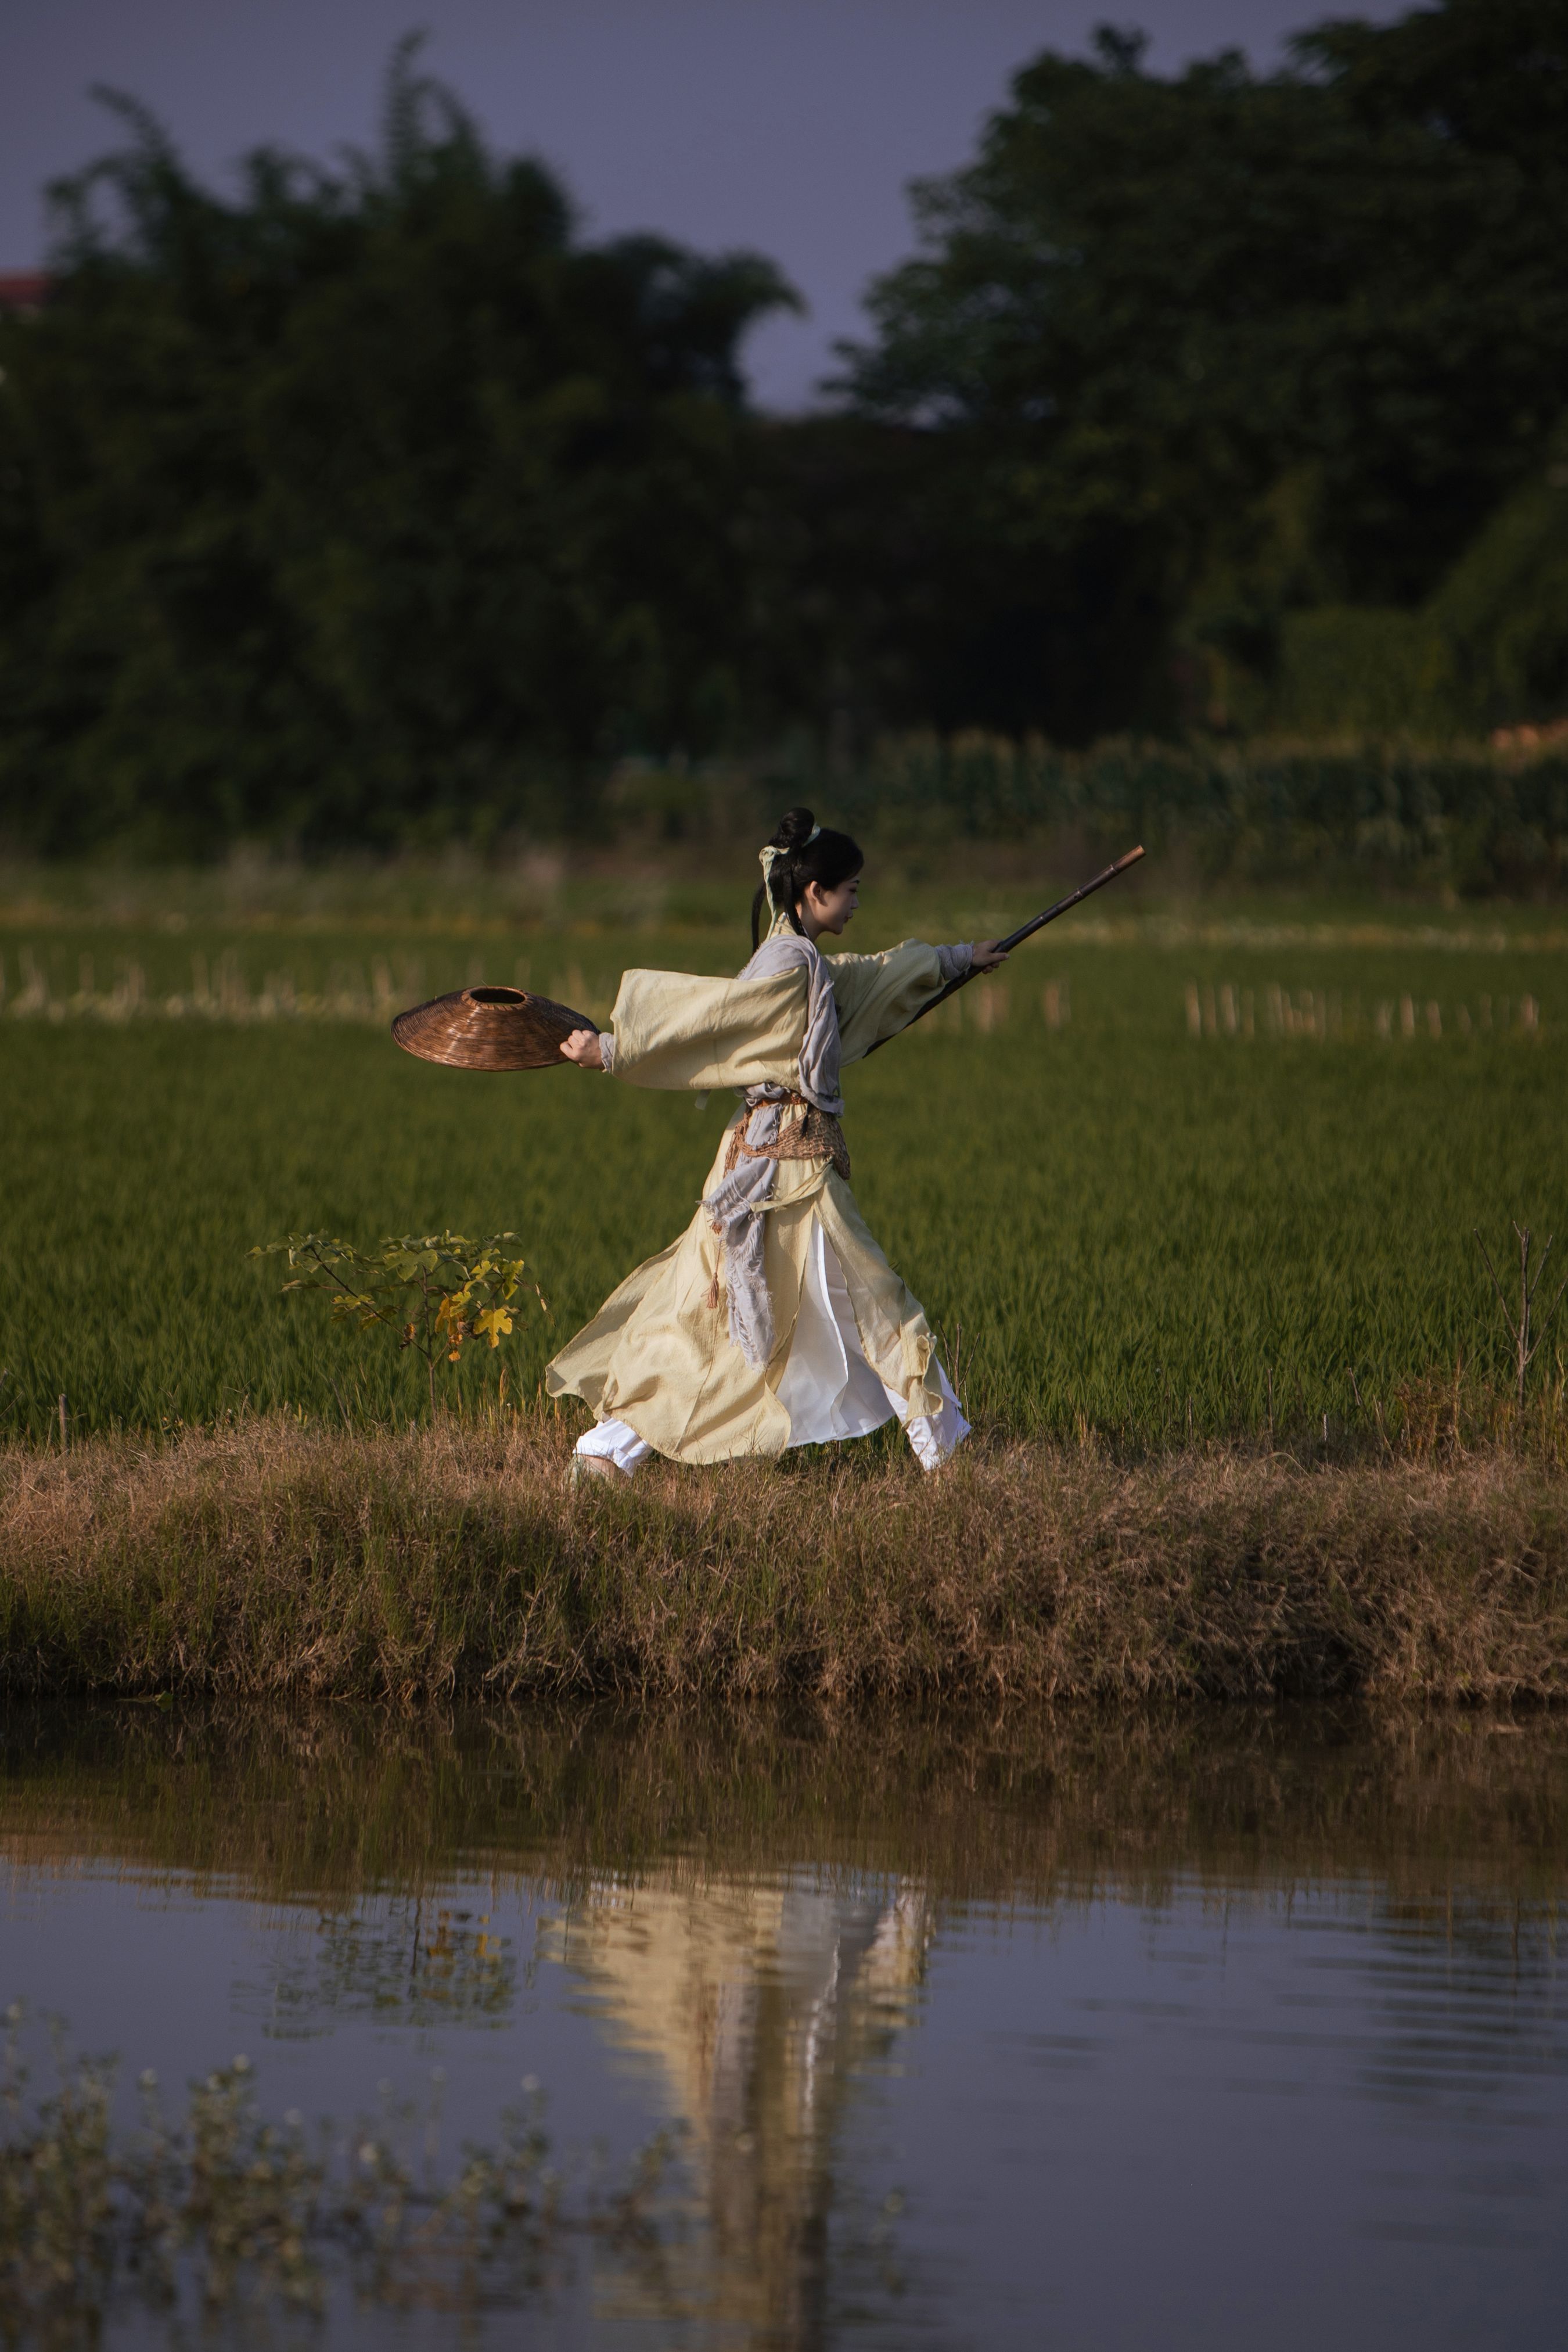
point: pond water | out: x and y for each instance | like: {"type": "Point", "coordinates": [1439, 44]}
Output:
{"type": "Point", "coordinates": [1212, 2032]}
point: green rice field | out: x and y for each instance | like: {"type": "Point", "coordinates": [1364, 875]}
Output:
{"type": "Point", "coordinates": [1174, 1170]}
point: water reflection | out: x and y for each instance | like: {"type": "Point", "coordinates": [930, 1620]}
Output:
{"type": "Point", "coordinates": [1142, 2017]}
{"type": "Point", "coordinates": [759, 2006]}
{"type": "Point", "coordinates": [417, 1962]}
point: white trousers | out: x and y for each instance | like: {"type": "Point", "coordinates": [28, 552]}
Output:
{"type": "Point", "coordinates": [828, 1389]}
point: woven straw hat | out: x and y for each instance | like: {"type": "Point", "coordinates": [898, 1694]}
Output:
{"type": "Point", "coordinates": [490, 1029]}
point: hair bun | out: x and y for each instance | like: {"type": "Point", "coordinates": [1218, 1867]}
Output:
{"type": "Point", "coordinates": [794, 829]}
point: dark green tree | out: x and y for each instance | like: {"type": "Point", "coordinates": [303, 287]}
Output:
{"type": "Point", "coordinates": [368, 505]}
{"type": "Point", "coordinates": [1202, 349]}
{"type": "Point", "coordinates": [376, 504]}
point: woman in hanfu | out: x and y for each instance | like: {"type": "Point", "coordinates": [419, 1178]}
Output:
{"type": "Point", "coordinates": [775, 1320]}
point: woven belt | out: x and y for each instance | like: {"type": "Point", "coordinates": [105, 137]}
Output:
{"type": "Point", "coordinates": [804, 1133]}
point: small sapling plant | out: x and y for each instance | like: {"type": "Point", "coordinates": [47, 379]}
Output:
{"type": "Point", "coordinates": [435, 1292]}
{"type": "Point", "coordinates": [1523, 1328]}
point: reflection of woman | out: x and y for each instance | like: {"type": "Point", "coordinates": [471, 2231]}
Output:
{"type": "Point", "coordinates": [775, 1319]}
{"type": "Point", "coordinates": [761, 2002]}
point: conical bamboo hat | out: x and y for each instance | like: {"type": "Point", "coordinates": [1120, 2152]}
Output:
{"type": "Point", "coordinates": [489, 1029]}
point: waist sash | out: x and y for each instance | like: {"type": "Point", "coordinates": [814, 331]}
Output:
{"type": "Point", "coordinates": [803, 1133]}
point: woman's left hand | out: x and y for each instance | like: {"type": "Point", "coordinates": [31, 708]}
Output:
{"type": "Point", "coordinates": [989, 954]}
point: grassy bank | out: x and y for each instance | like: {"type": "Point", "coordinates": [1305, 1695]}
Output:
{"type": "Point", "coordinates": [276, 1559]}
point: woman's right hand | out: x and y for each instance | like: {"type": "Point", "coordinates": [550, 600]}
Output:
{"type": "Point", "coordinates": [582, 1047]}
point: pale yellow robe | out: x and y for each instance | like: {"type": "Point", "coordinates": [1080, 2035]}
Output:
{"type": "Point", "coordinates": [658, 1356]}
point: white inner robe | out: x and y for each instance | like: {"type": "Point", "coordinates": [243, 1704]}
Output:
{"type": "Point", "coordinates": [828, 1389]}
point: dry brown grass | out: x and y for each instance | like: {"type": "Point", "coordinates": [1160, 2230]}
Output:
{"type": "Point", "coordinates": [273, 1558]}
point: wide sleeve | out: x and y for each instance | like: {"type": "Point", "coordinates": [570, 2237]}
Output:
{"type": "Point", "coordinates": [673, 1029]}
{"type": "Point", "coordinates": [878, 995]}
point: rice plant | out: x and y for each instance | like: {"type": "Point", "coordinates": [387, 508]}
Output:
{"type": "Point", "coordinates": [1119, 1215]}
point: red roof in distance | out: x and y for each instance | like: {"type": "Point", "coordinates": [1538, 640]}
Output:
{"type": "Point", "coordinates": [23, 289]}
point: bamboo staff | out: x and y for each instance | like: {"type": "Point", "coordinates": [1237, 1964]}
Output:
{"type": "Point", "coordinates": [1016, 938]}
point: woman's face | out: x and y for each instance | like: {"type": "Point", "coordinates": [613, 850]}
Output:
{"type": "Point", "coordinates": [830, 910]}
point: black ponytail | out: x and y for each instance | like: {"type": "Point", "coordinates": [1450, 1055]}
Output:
{"type": "Point", "coordinates": [808, 853]}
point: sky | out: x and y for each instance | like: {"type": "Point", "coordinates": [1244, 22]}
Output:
{"type": "Point", "coordinates": [791, 127]}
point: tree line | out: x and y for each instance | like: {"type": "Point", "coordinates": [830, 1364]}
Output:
{"type": "Point", "coordinates": [379, 503]}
